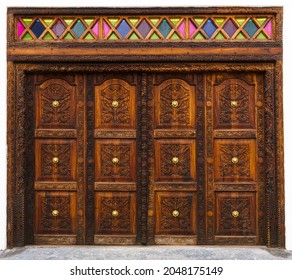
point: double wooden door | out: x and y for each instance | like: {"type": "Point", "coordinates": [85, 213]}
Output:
{"type": "Point", "coordinates": [144, 158]}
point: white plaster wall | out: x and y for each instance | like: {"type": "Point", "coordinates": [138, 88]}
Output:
{"type": "Point", "coordinates": [149, 3]}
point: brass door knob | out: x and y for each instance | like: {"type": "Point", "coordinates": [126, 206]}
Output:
{"type": "Point", "coordinates": [55, 103]}
{"type": "Point", "coordinates": [175, 160]}
{"type": "Point", "coordinates": [234, 104]}
{"type": "Point", "coordinates": [55, 213]}
{"type": "Point", "coordinates": [115, 160]}
{"type": "Point", "coordinates": [115, 104]}
{"type": "Point", "coordinates": [174, 103]}
{"type": "Point", "coordinates": [175, 213]}
{"type": "Point", "coordinates": [235, 213]}
{"type": "Point", "coordinates": [234, 160]}
{"type": "Point", "coordinates": [115, 213]}
{"type": "Point", "coordinates": [55, 160]}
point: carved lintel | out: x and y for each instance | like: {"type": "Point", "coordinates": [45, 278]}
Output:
{"type": "Point", "coordinates": [175, 187]}
{"type": "Point", "coordinates": [108, 186]}
{"type": "Point", "coordinates": [176, 240]}
{"type": "Point", "coordinates": [238, 240]}
{"type": "Point", "coordinates": [114, 133]}
{"type": "Point", "coordinates": [248, 134]}
{"type": "Point", "coordinates": [41, 239]}
{"type": "Point", "coordinates": [235, 187]}
{"type": "Point", "coordinates": [114, 240]}
{"type": "Point", "coordinates": [46, 186]}
{"type": "Point", "coordinates": [55, 133]}
{"type": "Point", "coordinates": [174, 133]}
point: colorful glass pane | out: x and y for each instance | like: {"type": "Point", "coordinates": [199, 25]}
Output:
{"type": "Point", "coordinates": [48, 36]}
{"type": "Point", "coordinates": [261, 20]}
{"type": "Point", "coordinates": [68, 36]}
{"type": "Point", "coordinates": [181, 28]}
{"type": "Point", "coordinates": [134, 20]}
{"type": "Point", "coordinates": [261, 36]}
{"type": "Point", "coordinates": [89, 36]}
{"type": "Point", "coordinates": [48, 21]}
{"type": "Point", "coordinates": [164, 28]}
{"type": "Point", "coordinates": [199, 36]}
{"type": "Point", "coordinates": [78, 28]}
{"type": "Point", "coordinates": [20, 29]}
{"type": "Point", "coordinates": [123, 28]}
{"type": "Point", "coordinates": [209, 28]}
{"type": "Point", "coordinates": [154, 36]}
{"type": "Point", "coordinates": [27, 21]}
{"type": "Point", "coordinates": [240, 36]}
{"type": "Point", "coordinates": [174, 36]}
{"type": "Point", "coordinates": [58, 28]}
{"type": "Point", "coordinates": [199, 20]}
{"type": "Point", "coordinates": [95, 29]}
{"type": "Point", "coordinates": [37, 28]}
{"type": "Point", "coordinates": [144, 28]}
{"type": "Point", "coordinates": [134, 36]}
{"type": "Point", "coordinates": [175, 21]}
{"type": "Point", "coordinates": [219, 21]}
{"type": "Point", "coordinates": [113, 36]}
{"type": "Point", "coordinates": [192, 28]}
{"type": "Point", "coordinates": [113, 21]}
{"type": "Point", "coordinates": [154, 20]}
{"type": "Point", "coordinates": [230, 28]}
{"type": "Point", "coordinates": [27, 36]}
{"type": "Point", "coordinates": [68, 21]}
{"type": "Point", "coordinates": [268, 28]}
{"type": "Point", "coordinates": [240, 21]}
{"type": "Point", "coordinates": [220, 36]}
{"type": "Point", "coordinates": [88, 20]}
{"type": "Point", "coordinates": [250, 28]}
{"type": "Point", "coordinates": [106, 29]}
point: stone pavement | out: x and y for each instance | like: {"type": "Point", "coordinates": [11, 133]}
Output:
{"type": "Point", "coordinates": [144, 253]}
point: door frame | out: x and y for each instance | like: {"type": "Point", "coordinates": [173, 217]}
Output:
{"type": "Point", "coordinates": [265, 57]}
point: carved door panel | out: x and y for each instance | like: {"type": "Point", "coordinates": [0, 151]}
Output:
{"type": "Point", "coordinates": [172, 213]}
{"type": "Point", "coordinates": [115, 159]}
{"type": "Point", "coordinates": [235, 152]}
{"type": "Point", "coordinates": [58, 184]}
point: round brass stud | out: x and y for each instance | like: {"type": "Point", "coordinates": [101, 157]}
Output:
{"type": "Point", "coordinates": [175, 213]}
{"type": "Point", "coordinates": [174, 103]}
{"type": "Point", "coordinates": [55, 160]}
{"type": "Point", "coordinates": [115, 160]}
{"type": "Point", "coordinates": [234, 104]}
{"type": "Point", "coordinates": [55, 103]}
{"type": "Point", "coordinates": [55, 213]}
{"type": "Point", "coordinates": [234, 160]}
{"type": "Point", "coordinates": [115, 213]}
{"type": "Point", "coordinates": [235, 213]}
{"type": "Point", "coordinates": [115, 104]}
{"type": "Point", "coordinates": [175, 160]}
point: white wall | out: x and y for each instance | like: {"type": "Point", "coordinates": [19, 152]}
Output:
{"type": "Point", "coordinates": [154, 3]}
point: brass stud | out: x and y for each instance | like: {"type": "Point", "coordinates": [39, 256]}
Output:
{"type": "Point", "coordinates": [235, 213]}
{"type": "Point", "coordinates": [234, 104]}
{"type": "Point", "coordinates": [115, 104]}
{"type": "Point", "coordinates": [174, 103]}
{"type": "Point", "coordinates": [175, 160]}
{"type": "Point", "coordinates": [55, 103]}
{"type": "Point", "coordinates": [55, 160]}
{"type": "Point", "coordinates": [234, 160]}
{"type": "Point", "coordinates": [115, 160]}
{"type": "Point", "coordinates": [115, 213]}
{"type": "Point", "coordinates": [175, 213]}
{"type": "Point", "coordinates": [55, 213]}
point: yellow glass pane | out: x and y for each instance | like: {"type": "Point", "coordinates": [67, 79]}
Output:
{"type": "Point", "coordinates": [27, 21]}
{"type": "Point", "coordinates": [48, 21]}
{"type": "Point", "coordinates": [175, 36]}
{"type": "Point", "coordinates": [199, 20]}
{"type": "Point", "coordinates": [113, 36]}
{"type": "Point", "coordinates": [88, 20]}
{"type": "Point", "coordinates": [240, 21]}
{"type": "Point", "coordinates": [134, 36]}
{"type": "Point", "coordinates": [89, 36]}
{"type": "Point", "coordinates": [69, 36]}
{"type": "Point", "coordinates": [199, 36]}
{"type": "Point", "coordinates": [113, 21]}
{"type": "Point", "coordinates": [240, 36]}
{"type": "Point", "coordinates": [68, 21]}
{"type": "Point", "coordinates": [261, 20]}
{"type": "Point", "coordinates": [261, 36]}
{"type": "Point", "coordinates": [154, 36]}
{"type": "Point", "coordinates": [175, 20]}
{"type": "Point", "coordinates": [133, 20]}
{"type": "Point", "coordinates": [220, 36]}
{"type": "Point", "coordinates": [154, 20]}
{"type": "Point", "coordinates": [219, 21]}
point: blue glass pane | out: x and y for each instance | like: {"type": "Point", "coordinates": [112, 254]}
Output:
{"type": "Point", "coordinates": [209, 28]}
{"type": "Point", "coordinates": [144, 28]}
{"type": "Point", "coordinates": [230, 28]}
{"type": "Point", "coordinates": [124, 28]}
{"type": "Point", "coordinates": [164, 28]}
{"type": "Point", "coordinates": [250, 28]}
{"type": "Point", "coordinates": [78, 28]}
{"type": "Point", "coordinates": [37, 28]}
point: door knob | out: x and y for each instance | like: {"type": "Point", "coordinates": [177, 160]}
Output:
{"type": "Point", "coordinates": [175, 213]}
{"type": "Point", "coordinates": [55, 160]}
{"type": "Point", "coordinates": [115, 160]}
{"type": "Point", "coordinates": [115, 103]}
{"type": "Point", "coordinates": [55, 103]}
{"type": "Point", "coordinates": [234, 103]}
{"type": "Point", "coordinates": [234, 160]}
{"type": "Point", "coordinates": [55, 213]}
{"type": "Point", "coordinates": [174, 103]}
{"type": "Point", "coordinates": [175, 160]}
{"type": "Point", "coordinates": [115, 213]}
{"type": "Point", "coordinates": [235, 213]}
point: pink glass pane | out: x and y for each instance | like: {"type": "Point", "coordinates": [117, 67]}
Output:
{"type": "Point", "coordinates": [181, 29]}
{"type": "Point", "coordinates": [95, 29]}
{"type": "Point", "coordinates": [106, 29]}
{"type": "Point", "coordinates": [20, 28]}
{"type": "Point", "coordinates": [268, 28]}
{"type": "Point", "coordinates": [192, 29]}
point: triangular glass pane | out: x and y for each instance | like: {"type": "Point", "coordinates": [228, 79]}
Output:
{"type": "Point", "coordinates": [181, 29]}
{"type": "Point", "coordinates": [261, 20]}
{"type": "Point", "coordinates": [69, 36]}
{"type": "Point", "coordinates": [48, 36]}
{"type": "Point", "coordinates": [240, 36]}
{"type": "Point", "coordinates": [240, 21]}
{"type": "Point", "coordinates": [199, 20]}
{"type": "Point", "coordinates": [113, 21]}
{"type": "Point", "coordinates": [20, 28]}
{"type": "Point", "coordinates": [27, 21]}
{"type": "Point", "coordinates": [154, 20]}
{"type": "Point", "coordinates": [27, 36]}
{"type": "Point", "coordinates": [192, 28]}
{"type": "Point", "coordinates": [88, 20]}
{"type": "Point", "coordinates": [68, 21]}
{"type": "Point", "coordinates": [95, 29]}
{"type": "Point", "coordinates": [154, 36]}
{"type": "Point", "coordinates": [48, 21]}
{"type": "Point", "coordinates": [175, 36]}
{"type": "Point", "coordinates": [133, 20]}
{"type": "Point", "coordinates": [219, 21]}
{"type": "Point", "coordinates": [106, 28]}
{"type": "Point", "coordinates": [261, 36]}
{"type": "Point", "coordinates": [134, 36]}
{"type": "Point", "coordinates": [199, 36]}
{"type": "Point", "coordinates": [89, 36]}
{"type": "Point", "coordinates": [113, 36]}
{"type": "Point", "coordinates": [269, 28]}
{"type": "Point", "coordinates": [220, 36]}
{"type": "Point", "coordinates": [175, 21]}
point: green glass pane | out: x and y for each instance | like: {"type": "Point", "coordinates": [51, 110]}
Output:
{"type": "Point", "coordinates": [154, 20]}
{"type": "Point", "coordinates": [68, 21]}
{"type": "Point", "coordinates": [219, 20]}
{"type": "Point", "coordinates": [240, 36]}
{"type": "Point", "coordinates": [261, 36]}
{"type": "Point", "coordinates": [89, 36]}
{"type": "Point", "coordinates": [27, 36]}
{"type": "Point", "coordinates": [240, 21]}
{"type": "Point", "coordinates": [175, 20]}
{"type": "Point", "coordinates": [48, 21]}
{"type": "Point", "coordinates": [134, 20]}
{"type": "Point", "coordinates": [154, 36]}
{"type": "Point", "coordinates": [113, 37]}
{"type": "Point", "coordinates": [261, 20]}
{"type": "Point", "coordinates": [27, 21]}
{"type": "Point", "coordinates": [175, 36]}
{"type": "Point", "coordinates": [199, 20]}
{"type": "Point", "coordinates": [89, 20]}
{"type": "Point", "coordinates": [219, 36]}
{"type": "Point", "coordinates": [113, 21]}
{"type": "Point", "coordinates": [199, 36]}
{"type": "Point", "coordinates": [69, 36]}
{"type": "Point", "coordinates": [48, 36]}
{"type": "Point", "coordinates": [134, 36]}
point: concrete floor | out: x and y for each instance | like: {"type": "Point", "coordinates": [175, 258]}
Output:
{"type": "Point", "coordinates": [145, 253]}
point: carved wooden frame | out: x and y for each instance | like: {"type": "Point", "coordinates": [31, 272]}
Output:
{"type": "Point", "coordinates": [268, 60]}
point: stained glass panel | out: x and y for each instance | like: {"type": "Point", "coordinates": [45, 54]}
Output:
{"type": "Point", "coordinates": [20, 29]}
{"type": "Point", "coordinates": [230, 28]}
{"type": "Point", "coordinates": [144, 28]}
{"type": "Point", "coordinates": [268, 28]}
{"type": "Point", "coordinates": [78, 28]}
{"type": "Point", "coordinates": [37, 28]}
{"type": "Point", "coordinates": [250, 28]}
{"type": "Point", "coordinates": [209, 28]}
{"type": "Point", "coordinates": [192, 28]}
{"type": "Point", "coordinates": [124, 28]}
{"type": "Point", "coordinates": [106, 29]}
{"type": "Point", "coordinates": [164, 28]}
{"type": "Point", "coordinates": [58, 28]}
{"type": "Point", "coordinates": [181, 28]}
{"type": "Point", "coordinates": [95, 29]}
